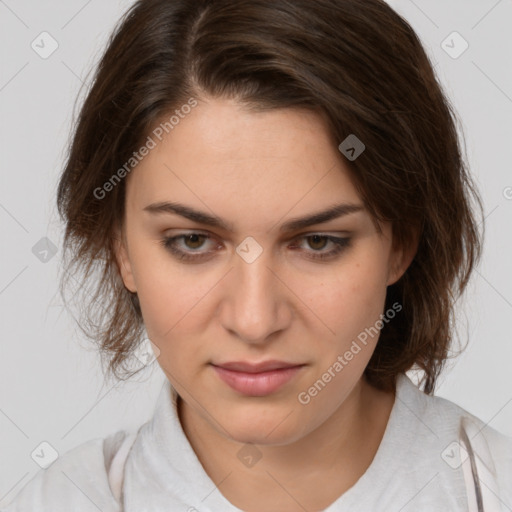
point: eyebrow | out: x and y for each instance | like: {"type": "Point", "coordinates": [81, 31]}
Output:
{"type": "Point", "coordinates": [333, 212]}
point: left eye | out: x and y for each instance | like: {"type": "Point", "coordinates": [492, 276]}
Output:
{"type": "Point", "coordinates": [187, 246]}
{"type": "Point", "coordinates": [318, 242]}
{"type": "Point", "coordinates": [313, 241]}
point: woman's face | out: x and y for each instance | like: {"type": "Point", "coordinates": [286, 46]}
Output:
{"type": "Point", "coordinates": [245, 280]}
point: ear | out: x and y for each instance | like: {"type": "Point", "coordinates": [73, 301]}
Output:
{"type": "Point", "coordinates": [401, 258]}
{"type": "Point", "coordinates": [123, 260]}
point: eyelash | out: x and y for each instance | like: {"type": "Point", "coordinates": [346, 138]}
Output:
{"type": "Point", "coordinates": [169, 243]}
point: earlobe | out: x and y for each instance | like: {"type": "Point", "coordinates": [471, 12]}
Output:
{"type": "Point", "coordinates": [123, 262]}
{"type": "Point", "coordinates": [401, 259]}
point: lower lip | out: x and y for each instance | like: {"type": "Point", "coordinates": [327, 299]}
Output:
{"type": "Point", "coordinates": [257, 384]}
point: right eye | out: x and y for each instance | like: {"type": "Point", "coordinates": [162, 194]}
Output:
{"type": "Point", "coordinates": [186, 246]}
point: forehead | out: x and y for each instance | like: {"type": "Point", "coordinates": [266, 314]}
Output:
{"type": "Point", "coordinates": [222, 154]}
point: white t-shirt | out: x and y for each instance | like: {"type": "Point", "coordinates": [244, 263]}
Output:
{"type": "Point", "coordinates": [419, 466]}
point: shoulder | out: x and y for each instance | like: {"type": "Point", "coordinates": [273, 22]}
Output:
{"type": "Point", "coordinates": [87, 477]}
{"type": "Point", "coordinates": [491, 450]}
{"type": "Point", "coordinates": [457, 431]}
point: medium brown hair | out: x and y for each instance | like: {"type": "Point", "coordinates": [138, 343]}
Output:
{"type": "Point", "coordinates": [362, 67]}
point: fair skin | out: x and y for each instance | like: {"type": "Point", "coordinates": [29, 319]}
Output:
{"type": "Point", "coordinates": [256, 171]}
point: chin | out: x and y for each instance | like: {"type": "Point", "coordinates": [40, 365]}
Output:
{"type": "Point", "coordinates": [263, 429]}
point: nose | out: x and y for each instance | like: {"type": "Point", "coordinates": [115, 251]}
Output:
{"type": "Point", "coordinates": [256, 304]}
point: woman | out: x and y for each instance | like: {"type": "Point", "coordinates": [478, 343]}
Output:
{"type": "Point", "coordinates": [274, 192]}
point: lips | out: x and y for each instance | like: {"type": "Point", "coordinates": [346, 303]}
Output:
{"type": "Point", "coordinates": [257, 379]}
{"type": "Point", "coordinates": [263, 366]}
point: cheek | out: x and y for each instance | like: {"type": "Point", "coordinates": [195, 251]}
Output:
{"type": "Point", "coordinates": [173, 314]}
{"type": "Point", "coordinates": [170, 304]}
{"type": "Point", "coordinates": [348, 301]}
{"type": "Point", "coordinates": [350, 305]}
{"type": "Point", "coordinates": [168, 296]}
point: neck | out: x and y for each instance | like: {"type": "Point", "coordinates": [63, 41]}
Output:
{"type": "Point", "coordinates": [336, 453]}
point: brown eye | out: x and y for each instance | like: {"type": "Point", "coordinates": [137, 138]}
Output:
{"type": "Point", "coordinates": [194, 241]}
{"type": "Point", "coordinates": [317, 242]}
{"type": "Point", "coordinates": [321, 247]}
{"type": "Point", "coordinates": [191, 247]}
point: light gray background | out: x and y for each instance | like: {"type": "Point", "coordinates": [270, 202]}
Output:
{"type": "Point", "coordinates": [51, 387]}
